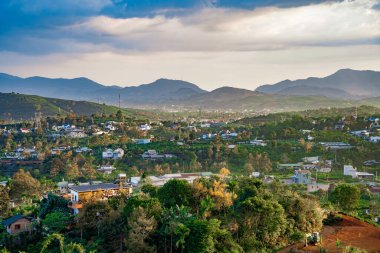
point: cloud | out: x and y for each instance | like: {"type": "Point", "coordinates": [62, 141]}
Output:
{"type": "Point", "coordinates": [215, 29]}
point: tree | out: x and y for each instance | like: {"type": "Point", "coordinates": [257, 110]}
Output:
{"type": "Point", "coordinates": [24, 185]}
{"type": "Point", "coordinates": [56, 222]}
{"type": "Point", "coordinates": [248, 168]}
{"type": "Point", "coordinates": [346, 197]}
{"type": "Point", "coordinates": [4, 202]}
{"type": "Point", "coordinates": [92, 215]}
{"type": "Point", "coordinates": [176, 192]}
{"type": "Point", "coordinates": [141, 226]}
{"type": "Point", "coordinates": [262, 222]}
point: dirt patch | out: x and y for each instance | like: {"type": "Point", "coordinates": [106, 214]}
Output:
{"type": "Point", "coordinates": [350, 232]}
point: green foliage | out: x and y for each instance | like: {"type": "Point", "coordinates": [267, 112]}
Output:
{"type": "Point", "coordinates": [4, 202]}
{"type": "Point", "coordinates": [53, 203]}
{"type": "Point", "coordinates": [175, 193]}
{"type": "Point", "coordinates": [346, 196]}
{"type": "Point", "coordinates": [56, 221]}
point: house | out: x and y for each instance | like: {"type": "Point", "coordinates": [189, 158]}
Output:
{"type": "Point", "coordinates": [374, 139]}
{"type": "Point", "coordinates": [106, 169]}
{"type": "Point", "coordinates": [293, 166]}
{"type": "Point", "coordinates": [205, 125]}
{"type": "Point", "coordinates": [141, 141]}
{"type": "Point", "coordinates": [311, 159]}
{"type": "Point", "coordinates": [63, 186]}
{"type": "Point", "coordinates": [335, 145]}
{"type": "Point", "coordinates": [302, 177]}
{"type": "Point", "coordinates": [113, 154]}
{"type": "Point", "coordinates": [24, 130]}
{"type": "Point", "coordinates": [17, 224]}
{"type": "Point", "coordinates": [81, 194]}
{"type": "Point", "coordinates": [76, 133]}
{"type": "Point", "coordinates": [360, 133]}
{"type": "Point", "coordinates": [258, 143]}
{"type": "Point", "coordinates": [161, 180]}
{"type": "Point", "coordinates": [324, 169]}
{"type": "Point", "coordinates": [374, 190]}
{"type": "Point", "coordinates": [255, 174]}
{"type": "Point", "coordinates": [314, 187]}
{"type": "Point", "coordinates": [145, 127]}
{"type": "Point", "coordinates": [371, 163]}
{"type": "Point", "coordinates": [348, 170]}
{"type": "Point", "coordinates": [153, 155]}
{"type": "Point", "coordinates": [311, 167]}
{"type": "Point", "coordinates": [83, 150]}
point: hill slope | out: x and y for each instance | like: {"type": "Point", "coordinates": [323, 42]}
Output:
{"type": "Point", "coordinates": [19, 106]}
{"type": "Point", "coordinates": [345, 83]}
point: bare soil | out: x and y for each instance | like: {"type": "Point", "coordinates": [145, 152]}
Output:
{"type": "Point", "coordinates": [350, 232]}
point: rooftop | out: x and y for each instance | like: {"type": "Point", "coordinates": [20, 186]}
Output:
{"type": "Point", "coordinates": [12, 219]}
{"type": "Point", "coordinates": [96, 187]}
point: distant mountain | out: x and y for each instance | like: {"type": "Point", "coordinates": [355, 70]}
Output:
{"type": "Point", "coordinates": [345, 83]}
{"type": "Point", "coordinates": [20, 106]}
{"type": "Point", "coordinates": [342, 89]}
{"type": "Point", "coordinates": [86, 89]}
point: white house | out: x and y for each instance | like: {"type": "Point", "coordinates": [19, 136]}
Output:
{"type": "Point", "coordinates": [76, 133]}
{"type": "Point", "coordinates": [348, 170]}
{"type": "Point", "coordinates": [113, 154]}
{"type": "Point", "coordinates": [106, 169]}
{"type": "Point", "coordinates": [145, 127]}
{"type": "Point", "coordinates": [311, 159]}
{"type": "Point", "coordinates": [258, 143]}
{"type": "Point", "coordinates": [374, 139]}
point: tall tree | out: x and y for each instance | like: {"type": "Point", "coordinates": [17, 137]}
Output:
{"type": "Point", "coordinates": [23, 185]}
{"type": "Point", "coordinates": [141, 227]}
{"type": "Point", "coordinates": [4, 202]}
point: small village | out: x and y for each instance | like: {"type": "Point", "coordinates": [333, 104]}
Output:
{"type": "Point", "coordinates": [84, 163]}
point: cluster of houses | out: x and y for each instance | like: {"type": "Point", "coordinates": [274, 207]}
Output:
{"type": "Point", "coordinates": [223, 134]}
{"type": "Point", "coordinates": [22, 153]}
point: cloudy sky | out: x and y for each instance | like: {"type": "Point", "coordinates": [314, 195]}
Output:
{"type": "Point", "coordinates": [209, 42]}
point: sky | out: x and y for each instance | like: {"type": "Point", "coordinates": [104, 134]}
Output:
{"type": "Point", "coordinates": [211, 43]}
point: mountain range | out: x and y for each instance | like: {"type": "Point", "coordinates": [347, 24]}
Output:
{"type": "Point", "coordinates": [345, 83]}
{"type": "Point", "coordinates": [344, 88]}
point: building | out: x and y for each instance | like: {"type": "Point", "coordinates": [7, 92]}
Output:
{"type": "Point", "coordinates": [17, 224]}
{"type": "Point", "coordinates": [302, 177]}
{"type": "Point", "coordinates": [153, 155]}
{"type": "Point", "coordinates": [258, 143]}
{"type": "Point", "coordinates": [145, 127]}
{"type": "Point", "coordinates": [106, 169]}
{"type": "Point", "coordinates": [335, 145]}
{"type": "Point", "coordinates": [314, 187]}
{"type": "Point", "coordinates": [113, 154]}
{"type": "Point", "coordinates": [311, 159]}
{"type": "Point", "coordinates": [83, 150]}
{"type": "Point", "coordinates": [348, 170]}
{"type": "Point", "coordinates": [293, 166]}
{"type": "Point", "coordinates": [161, 180]}
{"type": "Point", "coordinates": [81, 194]}
{"type": "Point", "coordinates": [141, 141]}
{"type": "Point", "coordinates": [76, 133]}
{"type": "Point", "coordinates": [374, 139]}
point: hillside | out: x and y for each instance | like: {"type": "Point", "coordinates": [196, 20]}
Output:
{"type": "Point", "coordinates": [345, 83]}
{"type": "Point", "coordinates": [19, 106]}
